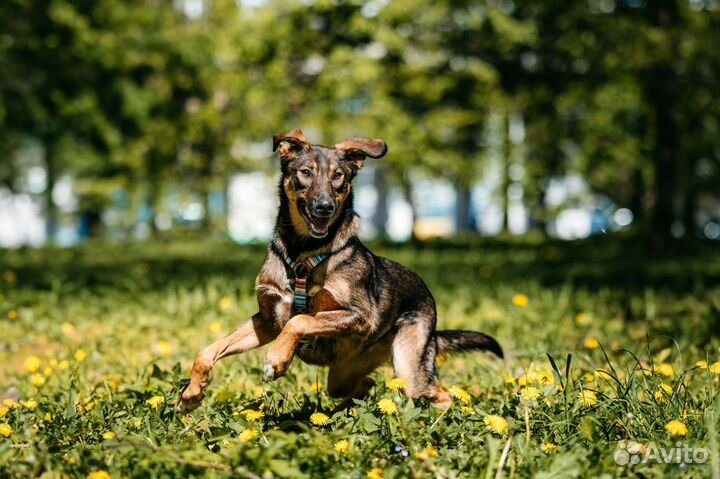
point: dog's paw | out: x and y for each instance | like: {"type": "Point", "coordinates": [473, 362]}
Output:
{"type": "Point", "coordinates": [269, 372]}
{"type": "Point", "coordinates": [190, 399]}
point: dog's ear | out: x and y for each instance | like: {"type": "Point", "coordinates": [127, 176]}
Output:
{"type": "Point", "coordinates": [356, 149]}
{"type": "Point", "coordinates": [290, 144]}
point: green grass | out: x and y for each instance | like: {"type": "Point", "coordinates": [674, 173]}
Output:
{"type": "Point", "coordinates": [141, 312]}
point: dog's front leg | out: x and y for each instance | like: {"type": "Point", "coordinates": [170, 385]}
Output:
{"type": "Point", "coordinates": [249, 335]}
{"type": "Point", "coordinates": [326, 324]}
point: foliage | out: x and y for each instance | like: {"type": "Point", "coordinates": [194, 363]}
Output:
{"type": "Point", "coordinates": [602, 347]}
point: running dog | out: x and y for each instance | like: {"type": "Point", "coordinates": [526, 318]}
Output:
{"type": "Point", "coordinates": [324, 297]}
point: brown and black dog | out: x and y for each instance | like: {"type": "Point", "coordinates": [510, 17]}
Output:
{"type": "Point", "coordinates": [358, 311]}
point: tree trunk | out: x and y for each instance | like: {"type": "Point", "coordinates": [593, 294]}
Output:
{"type": "Point", "coordinates": [505, 172]}
{"type": "Point", "coordinates": [407, 193]}
{"type": "Point", "coordinates": [380, 216]}
{"type": "Point", "coordinates": [463, 221]}
{"type": "Point", "coordinates": [51, 211]}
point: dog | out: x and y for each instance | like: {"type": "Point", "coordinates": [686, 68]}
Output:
{"type": "Point", "coordinates": [325, 298]}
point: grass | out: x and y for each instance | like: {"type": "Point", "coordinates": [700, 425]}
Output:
{"type": "Point", "coordinates": [96, 343]}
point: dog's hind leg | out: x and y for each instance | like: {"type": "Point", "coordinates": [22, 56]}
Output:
{"type": "Point", "coordinates": [413, 355]}
{"type": "Point", "coordinates": [249, 335]}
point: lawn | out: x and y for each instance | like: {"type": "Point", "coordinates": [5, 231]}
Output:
{"type": "Point", "coordinates": [612, 353]}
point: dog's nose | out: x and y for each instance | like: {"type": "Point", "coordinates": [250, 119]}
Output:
{"type": "Point", "coordinates": [323, 207]}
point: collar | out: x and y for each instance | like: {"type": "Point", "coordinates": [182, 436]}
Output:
{"type": "Point", "coordinates": [301, 270]}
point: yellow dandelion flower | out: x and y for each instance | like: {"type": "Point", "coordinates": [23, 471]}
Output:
{"type": "Point", "coordinates": [589, 377]}
{"type": "Point", "coordinates": [375, 474]}
{"type": "Point", "coordinates": [676, 428]}
{"type": "Point", "coordinates": [665, 369]}
{"type": "Point", "coordinates": [37, 380]}
{"type": "Point", "coordinates": [581, 319]}
{"type": "Point", "coordinates": [702, 364]}
{"type": "Point", "coordinates": [89, 406]}
{"type": "Point", "coordinates": [604, 374]}
{"type": "Point", "coordinates": [316, 387]}
{"type": "Point", "coordinates": [47, 371]}
{"type": "Point", "coordinates": [396, 384]}
{"type": "Point", "coordinates": [530, 393]}
{"type": "Point", "coordinates": [32, 364]}
{"type": "Point", "coordinates": [164, 348]}
{"type": "Point", "coordinates": [155, 402]}
{"type": "Point", "coordinates": [508, 379]}
{"type": "Point", "coordinates": [137, 423]}
{"type": "Point", "coordinates": [248, 435]}
{"type": "Point", "coordinates": [6, 430]}
{"type": "Point", "coordinates": [10, 404]}
{"type": "Point", "coordinates": [224, 303]}
{"type": "Point", "coordinates": [12, 315]}
{"type": "Point", "coordinates": [591, 343]}
{"type": "Point", "coordinates": [426, 453]}
{"type": "Point", "coordinates": [587, 398]}
{"type": "Point", "coordinates": [215, 327]}
{"type": "Point", "coordinates": [714, 367]}
{"type": "Point", "coordinates": [64, 364]}
{"type": "Point", "coordinates": [80, 355]}
{"type": "Point", "coordinates": [520, 300]}
{"type": "Point", "coordinates": [48, 417]}
{"type": "Point", "coordinates": [460, 394]}
{"type": "Point", "coordinates": [549, 448]}
{"type": "Point", "coordinates": [527, 378]}
{"type": "Point", "coordinates": [3, 411]}
{"type": "Point", "coordinates": [99, 475]}
{"type": "Point", "coordinates": [496, 424]}
{"type": "Point", "coordinates": [387, 406]}
{"type": "Point", "coordinates": [252, 415]}
{"type": "Point", "coordinates": [467, 410]}
{"type": "Point", "coordinates": [319, 419]}
{"type": "Point", "coordinates": [342, 446]}
{"type": "Point", "coordinates": [30, 404]}
{"type": "Point", "coordinates": [666, 388]}
{"type": "Point", "coordinates": [545, 377]}
{"type": "Point", "coordinates": [108, 436]}
{"type": "Point", "coordinates": [67, 329]}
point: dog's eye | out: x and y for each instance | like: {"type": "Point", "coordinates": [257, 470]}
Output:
{"type": "Point", "coordinates": [337, 175]}
{"type": "Point", "coordinates": [305, 172]}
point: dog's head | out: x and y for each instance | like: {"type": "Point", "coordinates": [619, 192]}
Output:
{"type": "Point", "coordinates": [317, 179]}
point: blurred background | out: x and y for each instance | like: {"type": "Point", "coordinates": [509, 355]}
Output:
{"type": "Point", "coordinates": [143, 119]}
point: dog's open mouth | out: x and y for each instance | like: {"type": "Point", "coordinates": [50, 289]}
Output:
{"type": "Point", "coordinates": [319, 225]}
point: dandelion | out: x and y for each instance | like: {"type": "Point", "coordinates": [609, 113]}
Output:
{"type": "Point", "coordinates": [319, 419]}
{"type": "Point", "coordinates": [604, 374]}
{"type": "Point", "coordinates": [387, 406]}
{"type": "Point", "coordinates": [591, 343]}
{"type": "Point", "coordinates": [396, 384]}
{"type": "Point", "coordinates": [47, 371]}
{"type": "Point", "coordinates": [520, 300]}
{"type": "Point", "coordinates": [375, 474]}
{"type": "Point", "coordinates": [702, 364]}
{"type": "Point", "coordinates": [30, 404]}
{"type": "Point", "coordinates": [508, 379]}
{"type": "Point", "coordinates": [67, 329]}
{"type": "Point", "coordinates": [715, 367]}
{"type": "Point", "coordinates": [3, 411]}
{"type": "Point", "coordinates": [98, 475]}
{"type": "Point", "coordinates": [224, 303]}
{"type": "Point", "coordinates": [155, 402]}
{"type": "Point", "coordinates": [589, 377]}
{"type": "Point", "coordinates": [582, 319]}
{"type": "Point", "coordinates": [37, 380]}
{"type": "Point", "coordinates": [164, 348]}
{"type": "Point", "coordinates": [252, 415]}
{"type": "Point", "coordinates": [6, 430]}
{"type": "Point", "coordinates": [64, 364]}
{"type": "Point", "coordinates": [248, 435]}
{"type": "Point", "coordinates": [342, 446]}
{"type": "Point", "coordinates": [530, 393]}
{"type": "Point", "coordinates": [426, 453]}
{"type": "Point", "coordinates": [676, 428]}
{"type": "Point", "coordinates": [32, 364]}
{"type": "Point", "coordinates": [108, 436]}
{"type": "Point", "coordinates": [80, 355]}
{"type": "Point", "coordinates": [137, 423]}
{"type": "Point", "coordinates": [527, 378]}
{"type": "Point", "coordinates": [215, 327]}
{"type": "Point", "coordinates": [587, 398]}
{"type": "Point", "coordinates": [549, 448]}
{"type": "Point", "coordinates": [258, 392]}
{"type": "Point", "coordinates": [496, 424]}
{"type": "Point", "coordinates": [316, 387]}
{"type": "Point", "coordinates": [10, 404]}
{"type": "Point", "coordinates": [459, 393]}
{"type": "Point", "coordinates": [89, 406]}
{"type": "Point", "coordinates": [48, 417]}
{"type": "Point", "coordinates": [12, 315]}
{"type": "Point", "coordinates": [545, 377]}
{"type": "Point", "coordinates": [467, 410]}
{"type": "Point", "coordinates": [665, 369]}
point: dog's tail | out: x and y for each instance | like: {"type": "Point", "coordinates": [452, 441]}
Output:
{"type": "Point", "coordinates": [459, 340]}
